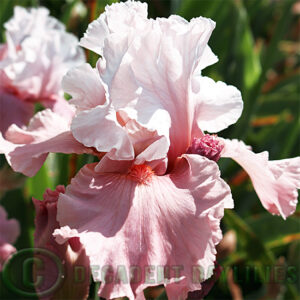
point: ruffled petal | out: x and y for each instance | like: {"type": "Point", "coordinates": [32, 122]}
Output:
{"type": "Point", "coordinates": [37, 58]}
{"type": "Point", "coordinates": [208, 58]}
{"type": "Point", "coordinates": [170, 220]}
{"type": "Point", "coordinates": [28, 159]}
{"type": "Point", "coordinates": [157, 64]}
{"type": "Point", "coordinates": [95, 35]}
{"type": "Point", "coordinates": [217, 105]}
{"type": "Point", "coordinates": [217, 189]}
{"type": "Point", "coordinates": [121, 136]}
{"type": "Point", "coordinates": [31, 21]}
{"type": "Point", "coordinates": [121, 17]}
{"type": "Point", "coordinates": [146, 69]}
{"type": "Point", "coordinates": [99, 128]}
{"type": "Point", "coordinates": [149, 144]}
{"type": "Point", "coordinates": [290, 168]}
{"type": "Point", "coordinates": [13, 111]}
{"type": "Point", "coordinates": [27, 149]}
{"type": "Point", "coordinates": [44, 125]}
{"type": "Point", "coordinates": [275, 182]}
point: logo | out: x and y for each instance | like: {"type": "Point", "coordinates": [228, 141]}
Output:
{"type": "Point", "coordinates": [33, 271]}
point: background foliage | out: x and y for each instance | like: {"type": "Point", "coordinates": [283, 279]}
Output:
{"type": "Point", "coordinates": [257, 42]}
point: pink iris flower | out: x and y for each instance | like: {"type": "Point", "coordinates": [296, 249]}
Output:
{"type": "Point", "coordinates": [32, 63]}
{"type": "Point", "coordinates": [9, 232]}
{"type": "Point", "coordinates": [149, 211]}
{"type": "Point", "coordinates": [75, 282]}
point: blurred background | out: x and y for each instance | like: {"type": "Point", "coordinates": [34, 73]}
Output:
{"type": "Point", "coordinates": [257, 42]}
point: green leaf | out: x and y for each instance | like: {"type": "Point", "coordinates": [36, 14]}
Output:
{"type": "Point", "coordinates": [36, 186]}
{"type": "Point", "coordinates": [271, 53]}
{"type": "Point", "coordinates": [5, 12]}
{"type": "Point", "coordinates": [275, 231]}
{"type": "Point", "coordinates": [256, 252]}
{"type": "Point", "coordinates": [163, 296]}
{"type": "Point", "coordinates": [248, 59]}
{"type": "Point", "coordinates": [67, 12]}
{"type": "Point", "coordinates": [248, 240]}
{"type": "Point", "coordinates": [192, 9]}
{"type": "Point", "coordinates": [292, 140]}
{"type": "Point", "coordinates": [269, 58]}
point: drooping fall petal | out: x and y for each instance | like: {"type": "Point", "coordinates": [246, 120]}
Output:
{"type": "Point", "coordinates": [140, 219]}
{"type": "Point", "coordinates": [27, 149]}
{"type": "Point", "coordinates": [275, 182]}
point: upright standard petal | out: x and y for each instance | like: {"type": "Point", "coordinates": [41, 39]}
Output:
{"type": "Point", "coordinates": [146, 68]}
{"type": "Point", "coordinates": [275, 182]}
{"type": "Point", "coordinates": [71, 254]}
{"type": "Point", "coordinates": [158, 64]}
{"type": "Point", "coordinates": [9, 231]}
{"type": "Point", "coordinates": [120, 17]}
{"type": "Point", "coordinates": [140, 229]}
